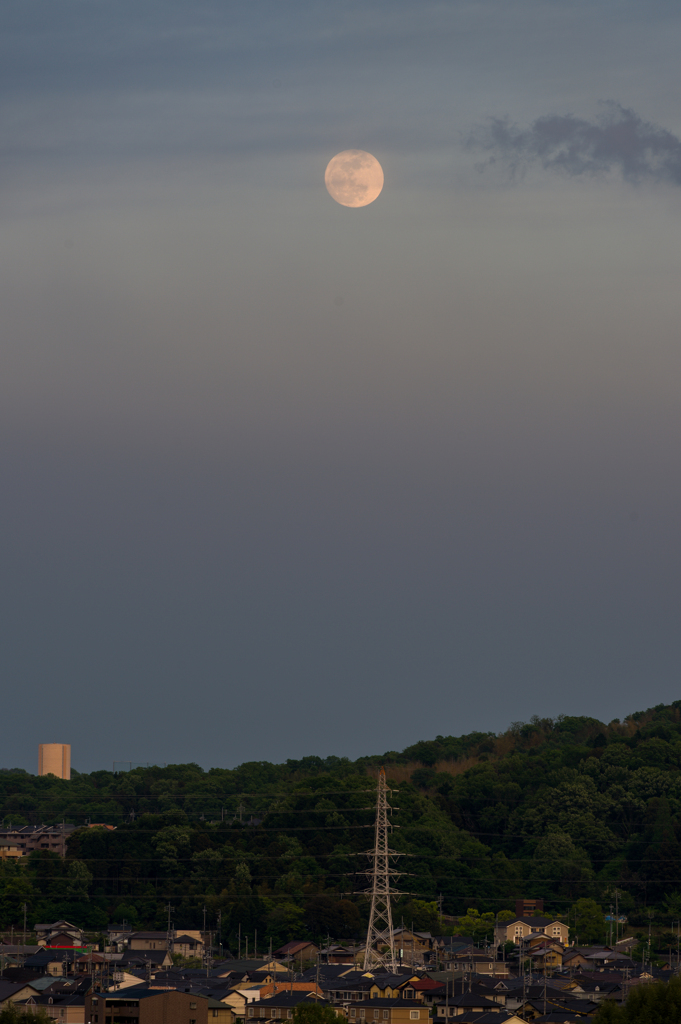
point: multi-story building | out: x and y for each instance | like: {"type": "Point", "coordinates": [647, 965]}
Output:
{"type": "Point", "coordinates": [520, 928]}
{"type": "Point", "coordinates": [146, 1006]}
{"type": "Point", "coordinates": [55, 759]}
{"type": "Point", "coordinates": [28, 838]}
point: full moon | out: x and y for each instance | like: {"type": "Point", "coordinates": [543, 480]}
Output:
{"type": "Point", "coordinates": [354, 178]}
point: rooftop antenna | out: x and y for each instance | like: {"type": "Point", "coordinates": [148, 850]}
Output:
{"type": "Point", "coordinates": [380, 932]}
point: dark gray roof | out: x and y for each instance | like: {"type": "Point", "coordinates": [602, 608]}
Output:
{"type": "Point", "coordinates": [8, 988]}
{"type": "Point", "coordinates": [151, 956]}
{"type": "Point", "coordinates": [285, 999]}
{"type": "Point", "coordinates": [376, 1003]}
{"type": "Point", "coordinates": [51, 955]}
{"type": "Point", "coordinates": [487, 1017]}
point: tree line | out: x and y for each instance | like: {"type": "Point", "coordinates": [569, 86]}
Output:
{"type": "Point", "coordinates": [574, 811]}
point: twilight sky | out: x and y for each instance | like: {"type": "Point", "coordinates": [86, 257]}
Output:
{"type": "Point", "coordinates": [281, 477]}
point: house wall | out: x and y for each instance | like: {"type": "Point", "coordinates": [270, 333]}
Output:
{"type": "Point", "coordinates": [395, 1014]}
{"type": "Point", "coordinates": [165, 1008]}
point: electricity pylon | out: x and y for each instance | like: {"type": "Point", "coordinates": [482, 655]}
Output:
{"type": "Point", "coordinates": [380, 931]}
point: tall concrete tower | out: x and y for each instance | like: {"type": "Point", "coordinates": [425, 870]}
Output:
{"type": "Point", "coordinates": [55, 759]}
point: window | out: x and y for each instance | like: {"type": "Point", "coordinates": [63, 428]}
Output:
{"type": "Point", "coordinates": [215, 1013]}
{"type": "Point", "coordinates": [353, 1011]}
{"type": "Point", "coordinates": [375, 1014]}
{"type": "Point", "coordinates": [250, 1011]}
{"type": "Point", "coordinates": [262, 1011]}
{"type": "Point", "coordinates": [413, 1015]}
{"type": "Point", "coordinates": [192, 1006]}
{"type": "Point", "coordinates": [386, 1014]}
{"type": "Point", "coordinates": [362, 1014]}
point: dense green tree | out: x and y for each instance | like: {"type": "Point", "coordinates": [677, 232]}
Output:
{"type": "Point", "coordinates": [312, 1013]}
{"type": "Point", "coordinates": [587, 922]}
{"type": "Point", "coordinates": [658, 1003]}
{"type": "Point", "coordinates": [566, 809]}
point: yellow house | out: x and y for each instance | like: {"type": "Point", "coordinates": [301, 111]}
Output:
{"type": "Point", "coordinates": [386, 1011]}
{"type": "Point", "coordinates": [521, 928]}
{"type": "Point", "coordinates": [220, 1013]}
{"type": "Point", "coordinates": [390, 991]}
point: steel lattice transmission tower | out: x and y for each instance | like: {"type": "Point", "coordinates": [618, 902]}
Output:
{"type": "Point", "coordinates": [380, 931]}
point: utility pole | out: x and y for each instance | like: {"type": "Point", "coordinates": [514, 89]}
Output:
{"type": "Point", "coordinates": [170, 935]}
{"type": "Point", "coordinates": [380, 931]}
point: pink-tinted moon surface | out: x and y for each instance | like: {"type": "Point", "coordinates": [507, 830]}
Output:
{"type": "Point", "coordinates": [354, 178]}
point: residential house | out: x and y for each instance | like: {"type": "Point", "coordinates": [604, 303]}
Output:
{"type": "Point", "coordinates": [614, 958]}
{"type": "Point", "coordinates": [66, 1009]}
{"type": "Point", "coordinates": [412, 945]}
{"type": "Point", "coordinates": [149, 940]}
{"type": "Point", "coordinates": [356, 986]}
{"type": "Point", "coordinates": [54, 962]}
{"type": "Point", "coordinates": [558, 1016]}
{"type": "Point", "coordinates": [546, 955]}
{"type": "Point", "coordinates": [391, 986]}
{"type": "Point", "coordinates": [147, 959]}
{"type": "Point", "coordinates": [146, 1006]}
{"type": "Point", "coordinates": [220, 1013]}
{"type": "Point", "coordinates": [467, 1002]}
{"type": "Point", "coordinates": [475, 1017]}
{"type": "Point", "coordinates": [416, 987]}
{"type": "Point", "coordinates": [446, 947]}
{"type": "Point", "coordinates": [188, 945]}
{"type": "Point", "coordinates": [339, 954]}
{"type": "Point", "coordinates": [275, 988]}
{"type": "Point", "coordinates": [91, 963]}
{"type": "Point", "coordinates": [298, 949]}
{"type": "Point", "coordinates": [14, 991]}
{"type": "Point", "coordinates": [482, 963]}
{"type": "Point", "coordinates": [279, 1007]}
{"type": "Point", "coordinates": [61, 934]}
{"type": "Point", "coordinates": [386, 1011]}
{"type": "Point", "coordinates": [521, 928]}
{"type": "Point", "coordinates": [240, 999]}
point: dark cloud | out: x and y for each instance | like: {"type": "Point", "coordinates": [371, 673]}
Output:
{"type": "Point", "coordinates": [619, 140]}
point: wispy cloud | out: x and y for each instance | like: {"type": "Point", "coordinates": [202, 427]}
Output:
{"type": "Point", "coordinates": [618, 141]}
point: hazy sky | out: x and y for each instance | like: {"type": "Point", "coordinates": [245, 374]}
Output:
{"type": "Point", "coordinates": [281, 477]}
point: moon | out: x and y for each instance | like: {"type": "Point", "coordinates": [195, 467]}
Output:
{"type": "Point", "coordinates": [354, 178]}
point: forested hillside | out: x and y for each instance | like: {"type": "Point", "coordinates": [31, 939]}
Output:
{"type": "Point", "coordinates": [563, 809]}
